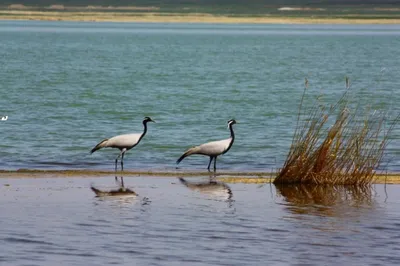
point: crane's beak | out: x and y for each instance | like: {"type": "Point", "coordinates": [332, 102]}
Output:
{"type": "Point", "coordinates": [152, 121]}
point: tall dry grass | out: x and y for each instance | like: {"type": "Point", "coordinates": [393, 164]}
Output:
{"type": "Point", "coordinates": [343, 143]}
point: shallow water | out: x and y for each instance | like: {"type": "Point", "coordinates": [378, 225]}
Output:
{"type": "Point", "coordinates": [44, 221]}
{"type": "Point", "coordinates": [67, 85]}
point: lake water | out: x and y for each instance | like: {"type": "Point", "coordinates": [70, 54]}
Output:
{"type": "Point", "coordinates": [48, 221]}
{"type": "Point", "coordinates": [67, 85]}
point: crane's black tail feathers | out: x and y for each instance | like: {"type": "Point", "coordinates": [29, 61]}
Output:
{"type": "Point", "coordinates": [181, 158]}
{"type": "Point", "coordinates": [98, 146]}
{"type": "Point", "coordinates": [187, 153]}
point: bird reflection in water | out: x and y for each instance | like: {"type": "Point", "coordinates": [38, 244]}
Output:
{"type": "Point", "coordinates": [211, 188]}
{"type": "Point", "coordinates": [333, 201]}
{"type": "Point", "coordinates": [121, 191]}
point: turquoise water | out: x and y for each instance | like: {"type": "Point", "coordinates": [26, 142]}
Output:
{"type": "Point", "coordinates": [67, 85]}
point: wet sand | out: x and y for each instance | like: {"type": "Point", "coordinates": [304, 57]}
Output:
{"type": "Point", "coordinates": [183, 18]}
{"type": "Point", "coordinates": [227, 177]}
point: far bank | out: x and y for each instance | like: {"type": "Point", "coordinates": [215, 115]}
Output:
{"type": "Point", "coordinates": [156, 17]}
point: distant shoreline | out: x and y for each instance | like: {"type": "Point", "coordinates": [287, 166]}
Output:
{"type": "Point", "coordinates": [227, 177]}
{"type": "Point", "coordinates": [159, 17]}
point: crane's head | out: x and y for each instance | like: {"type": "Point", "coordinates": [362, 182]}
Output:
{"type": "Point", "coordinates": [148, 119]}
{"type": "Point", "coordinates": [231, 122]}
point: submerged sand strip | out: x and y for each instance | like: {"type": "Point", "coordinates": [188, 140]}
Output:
{"type": "Point", "coordinates": [227, 177]}
{"type": "Point", "coordinates": [380, 179]}
{"type": "Point", "coordinates": [184, 18]}
{"type": "Point", "coordinates": [34, 173]}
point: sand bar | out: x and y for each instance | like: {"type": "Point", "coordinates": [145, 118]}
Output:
{"type": "Point", "coordinates": [228, 177]}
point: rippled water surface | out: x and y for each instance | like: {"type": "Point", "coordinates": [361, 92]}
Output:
{"type": "Point", "coordinates": [48, 221]}
{"type": "Point", "coordinates": [67, 85]}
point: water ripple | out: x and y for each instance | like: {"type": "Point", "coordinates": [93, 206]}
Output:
{"type": "Point", "coordinates": [25, 241]}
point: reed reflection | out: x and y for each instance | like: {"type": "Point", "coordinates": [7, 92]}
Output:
{"type": "Point", "coordinates": [334, 201]}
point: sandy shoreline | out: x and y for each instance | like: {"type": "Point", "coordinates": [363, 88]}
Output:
{"type": "Point", "coordinates": [228, 177]}
{"type": "Point", "coordinates": [182, 18]}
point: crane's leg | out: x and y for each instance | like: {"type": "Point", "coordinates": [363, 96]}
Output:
{"type": "Point", "coordinates": [211, 158]}
{"type": "Point", "coordinates": [215, 164]}
{"type": "Point", "coordinates": [119, 155]}
{"type": "Point", "coordinates": [116, 162]}
{"type": "Point", "coordinates": [122, 160]}
{"type": "Point", "coordinates": [122, 167]}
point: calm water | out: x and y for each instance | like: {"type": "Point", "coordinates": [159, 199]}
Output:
{"type": "Point", "coordinates": [60, 221]}
{"type": "Point", "coordinates": [65, 86]}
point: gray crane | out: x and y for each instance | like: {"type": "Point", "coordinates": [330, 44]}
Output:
{"type": "Point", "coordinates": [212, 149]}
{"type": "Point", "coordinates": [123, 142]}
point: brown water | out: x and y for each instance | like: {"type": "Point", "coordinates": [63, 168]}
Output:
{"type": "Point", "coordinates": [46, 221]}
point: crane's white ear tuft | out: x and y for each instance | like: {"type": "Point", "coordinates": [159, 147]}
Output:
{"type": "Point", "coordinates": [231, 122]}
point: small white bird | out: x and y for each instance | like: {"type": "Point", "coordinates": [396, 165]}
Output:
{"type": "Point", "coordinates": [212, 149]}
{"type": "Point", "coordinates": [4, 118]}
{"type": "Point", "coordinates": [123, 142]}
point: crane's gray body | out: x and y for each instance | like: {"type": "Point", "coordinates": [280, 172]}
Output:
{"type": "Point", "coordinates": [126, 141]}
{"type": "Point", "coordinates": [212, 149]}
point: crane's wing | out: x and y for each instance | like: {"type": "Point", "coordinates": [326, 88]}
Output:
{"type": "Point", "coordinates": [123, 141]}
{"type": "Point", "coordinates": [213, 148]}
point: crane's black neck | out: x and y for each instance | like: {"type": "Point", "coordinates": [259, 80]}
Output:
{"type": "Point", "coordinates": [144, 130]}
{"type": "Point", "coordinates": [232, 137]}
{"type": "Point", "coordinates": [232, 133]}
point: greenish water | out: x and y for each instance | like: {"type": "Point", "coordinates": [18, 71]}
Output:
{"type": "Point", "coordinates": [65, 86]}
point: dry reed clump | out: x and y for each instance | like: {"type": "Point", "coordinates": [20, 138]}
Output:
{"type": "Point", "coordinates": [347, 153]}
